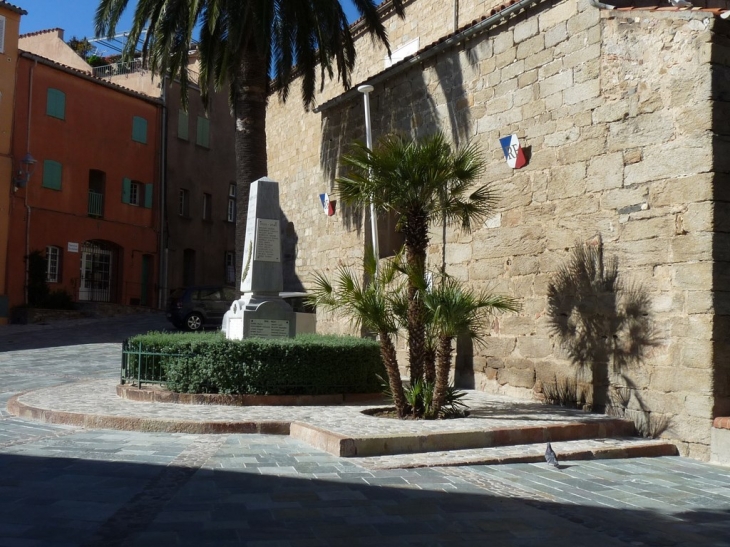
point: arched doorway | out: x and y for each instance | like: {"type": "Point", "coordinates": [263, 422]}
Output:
{"type": "Point", "coordinates": [99, 262]}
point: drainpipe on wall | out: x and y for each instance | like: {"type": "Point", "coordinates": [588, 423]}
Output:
{"type": "Point", "coordinates": [456, 15]}
{"type": "Point", "coordinates": [162, 297]}
{"type": "Point", "coordinates": [27, 187]}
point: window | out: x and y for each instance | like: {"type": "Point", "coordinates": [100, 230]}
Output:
{"type": "Point", "coordinates": [52, 175]}
{"type": "Point", "coordinates": [207, 201]}
{"type": "Point", "coordinates": [97, 182]}
{"type": "Point", "coordinates": [203, 136]}
{"type": "Point", "coordinates": [132, 193]}
{"type": "Point", "coordinates": [390, 240]}
{"type": "Point", "coordinates": [53, 261]}
{"type": "Point", "coordinates": [232, 190]}
{"type": "Point", "coordinates": [56, 103]}
{"type": "Point", "coordinates": [231, 216]}
{"type": "Point", "coordinates": [230, 267]}
{"type": "Point", "coordinates": [139, 130]}
{"type": "Point", "coordinates": [182, 125]}
{"type": "Point", "coordinates": [184, 204]}
{"type": "Point", "coordinates": [2, 34]}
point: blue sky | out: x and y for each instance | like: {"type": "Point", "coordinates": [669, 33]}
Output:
{"type": "Point", "coordinates": [76, 17]}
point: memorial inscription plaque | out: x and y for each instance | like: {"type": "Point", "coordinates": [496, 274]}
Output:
{"type": "Point", "coordinates": [268, 244]}
{"type": "Point", "coordinates": [269, 328]}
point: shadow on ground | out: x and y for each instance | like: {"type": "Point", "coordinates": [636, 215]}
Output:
{"type": "Point", "coordinates": [67, 501]}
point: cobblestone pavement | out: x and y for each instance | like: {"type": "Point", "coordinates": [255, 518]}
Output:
{"type": "Point", "coordinates": [68, 486]}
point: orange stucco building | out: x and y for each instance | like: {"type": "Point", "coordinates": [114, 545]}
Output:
{"type": "Point", "coordinates": [91, 205]}
{"type": "Point", "coordinates": [9, 27]}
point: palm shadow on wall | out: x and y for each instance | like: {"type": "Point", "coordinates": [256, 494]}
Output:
{"type": "Point", "coordinates": [405, 105]}
{"type": "Point", "coordinates": [604, 326]}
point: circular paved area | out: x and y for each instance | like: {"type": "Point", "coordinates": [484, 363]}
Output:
{"type": "Point", "coordinates": [64, 486]}
{"type": "Point", "coordinates": [488, 412]}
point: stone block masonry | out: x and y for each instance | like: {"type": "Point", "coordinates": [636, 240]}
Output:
{"type": "Point", "coordinates": [622, 114]}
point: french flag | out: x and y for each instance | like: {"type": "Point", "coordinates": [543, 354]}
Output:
{"type": "Point", "coordinates": [513, 151]}
{"type": "Point", "coordinates": [327, 206]}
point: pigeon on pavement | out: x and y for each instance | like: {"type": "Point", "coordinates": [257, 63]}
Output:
{"type": "Point", "coordinates": [551, 457]}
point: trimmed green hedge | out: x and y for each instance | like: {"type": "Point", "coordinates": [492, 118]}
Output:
{"type": "Point", "coordinates": [306, 365]}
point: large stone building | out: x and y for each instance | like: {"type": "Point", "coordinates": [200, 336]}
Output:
{"type": "Point", "coordinates": [624, 115]}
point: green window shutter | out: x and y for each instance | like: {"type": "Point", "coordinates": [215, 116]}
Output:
{"type": "Point", "coordinates": [56, 103]}
{"type": "Point", "coordinates": [182, 125]}
{"type": "Point", "coordinates": [203, 136]}
{"type": "Point", "coordinates": [139, 130]}
{"type": "Point", "coordinates": [126, 190]}
{"type": "Point", "coordinates": [52, 174]}
{"type": "Point", "coordinates": [148, 189]}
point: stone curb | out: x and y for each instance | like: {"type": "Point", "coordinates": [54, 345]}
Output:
{"type": "Point", "coordinates": [646, 449]}
{"type": "Point", "coordinates": [132, 393]}
{"type": "Point", "coordinates": [157, 425]}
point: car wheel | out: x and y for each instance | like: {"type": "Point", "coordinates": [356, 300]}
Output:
{"type": "Point", "coordinates": [194, 321]}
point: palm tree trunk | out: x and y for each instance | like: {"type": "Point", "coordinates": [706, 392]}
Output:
{"type": "Point", "coordinates": [416, 236]}
{"type": "Point", "coordinates": [387, 350]}
{"type": "Point", "coordinates": [442, 372]}
{"type": "Point", "coordinates": [250, 98]}
{"type": "Point", "coordinates": [429, 365]}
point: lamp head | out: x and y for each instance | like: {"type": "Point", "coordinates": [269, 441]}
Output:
{"type": "Point", "coordinates": [365, 88]}
{"type": "Point", "coordinates": [27, 165]}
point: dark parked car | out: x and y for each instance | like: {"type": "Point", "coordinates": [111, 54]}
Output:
{"type": "Point", "coordinates": [192, 308]}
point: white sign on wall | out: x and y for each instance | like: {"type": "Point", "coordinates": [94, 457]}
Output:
{"type": "Point", "coordinates": [72, 247]}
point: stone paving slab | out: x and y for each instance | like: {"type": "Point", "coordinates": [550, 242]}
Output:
{"type": "Point", "coordinates": [342, 430]}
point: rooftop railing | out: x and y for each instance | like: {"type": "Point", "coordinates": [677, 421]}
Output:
{"type": "Point", "coordinates": [118, 69]}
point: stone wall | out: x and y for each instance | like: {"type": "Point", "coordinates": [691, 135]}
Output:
{"type": "Point", "coordinates": [621, 115]}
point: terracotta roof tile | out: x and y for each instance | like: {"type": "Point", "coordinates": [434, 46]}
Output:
{"type": "Point", "coordinates": [12, 7]}
{"type": "Point", "coordinates": [39, 32]}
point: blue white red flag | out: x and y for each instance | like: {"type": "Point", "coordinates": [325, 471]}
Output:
{"type": "Point", "coordinates": [513, 152]}
{"type": "Point", "coordinates": [327, 206]}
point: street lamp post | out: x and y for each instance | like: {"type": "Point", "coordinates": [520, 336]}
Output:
{"type": "Point", "coordinates": [365, 90]}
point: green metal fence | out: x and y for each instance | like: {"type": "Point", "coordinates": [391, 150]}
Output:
{"type": "Point", "coordinates": [141, 366]}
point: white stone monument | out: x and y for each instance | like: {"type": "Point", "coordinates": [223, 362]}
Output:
{"type": "Point", "coordinates": [261, 312]}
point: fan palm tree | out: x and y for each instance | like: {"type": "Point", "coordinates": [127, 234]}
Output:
{"type": "Point", "coordinates": [242, 44]}
{"type": "Point", "coordinates": [455, 311]}
{"type": "Point", "coordinates": [370, 306]}
{"type": "Point", "coordinates": [424, 182]}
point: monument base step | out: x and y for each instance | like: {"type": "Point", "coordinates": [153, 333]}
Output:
{"type": "Point", "coordinates": [381, 445]}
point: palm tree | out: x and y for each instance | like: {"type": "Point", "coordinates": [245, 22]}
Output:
{"type": "Point", "coordinates": [455, 311]}
{"type": "Point", "coordinates": [424, 182]}
{"type": "Point", "coordinates": [367, 305]}
{"type": "Point", "coordinates": [242, 44]}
